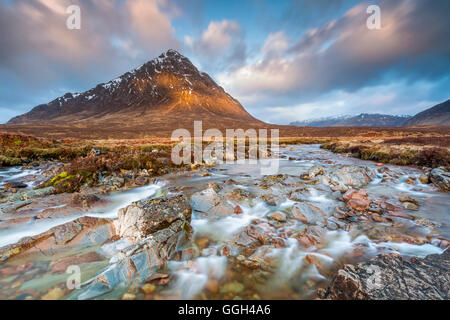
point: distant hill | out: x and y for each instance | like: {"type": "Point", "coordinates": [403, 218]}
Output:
{"type": "Point", "coordinates": [438, 115]}
{"type": "Point", "coordinates": [362, 120]}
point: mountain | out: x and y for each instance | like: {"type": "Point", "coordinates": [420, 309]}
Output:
{"type": "Point", "coordinates": [362, 120]}
{"type": "Point", "coordinates": [165, 93]}
{"type": "Point", "coordinates": [438, 115]}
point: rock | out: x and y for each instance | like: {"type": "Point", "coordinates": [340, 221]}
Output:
{"type": "Point", "coordinates": [129, 296]}
{"type": "Point", "coordinates": [392, 277]}
{"type": "Point", "coordinates": [11, 207]}
{"type": "Point", "coordinates": [441, 179]}
{"type": "Point", "coordinates": [14, 185]}
{"type": "Point", "coordinates": [400, 214]}
{"type": "Point", "coordinates": [377, 218]}
{"type": "Point", "coordinates": [298, 194]}
{"type": "Point", "coordinates": [158, 230]}
{"type": "Point", "coordinates": [210, 203]}
{"type": "Point", "coordinates": [424, 179]}
{"type": "Point", "coordinates": [8, 271]}
{"type": "Point", "coordinates": [357, 200]}
{"type": "Point", "coordinates": [240, 194]}
{"type": "Point", "coordinates": [84, 200]}
{"type": "Point", "coordinates": [348, 176]}
{"type": "Point", "coordinates": [232, 287]}
{"type": "Point", "coordinates": [277, 216]}
{"type": "Point", "coordinates": [141, 180]}
{"type": "Point", "coordinates": [270, 199]}
{"type": "Point", "coordinates": [113, 181]}
{"type": "Point", "coordinates": [148, 288]}
{"type": "Point", "coordinates": [145, 217]}
{"type": "Point", "coordinates": [379, 164]}
{"type": "Point", "coordinates": [27, 266]}
{"type": "Point", "coordinates": [212, 285]}
{"type": "Point", "coordinates": [85, 230]}
{"type": "Point", "coordinates": [32, 194]}
{"type": "Point", "coordinates": [307, 213]}
{"type": "Point", "coordinates": [61, 265]}
{"type": "Point", "coordinates": [409, 199]}
{"type": "Point", "coordinates": [238, 210]}
{"type": "Point", "coordinates": [441, 243]}
{"type": "Point", "coordinates": [410, 206]}
{"type": "Point", "coordinates": [53, 294]}
{"type": "Point", "coordinates": [312, 173]}
{"type": "Point", "coordinates": [66, 232]}
{"type": "Point", "coordinates": [354, 194]}
{"type": "Point", "coordinates": [360, 205]}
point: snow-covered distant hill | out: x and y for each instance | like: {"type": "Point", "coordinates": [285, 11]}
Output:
{"type": "Point", "coordinates": [362, 120]}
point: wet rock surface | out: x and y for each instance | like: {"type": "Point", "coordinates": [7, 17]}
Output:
{"type": "Point", "coordinates": [441, 178]}
{"type": "Point", "coordinates": [393, 277]}
{"type": "Point", "coordinates": [151, 232]}
{"type": "Point", "coordinates": [145, 217]}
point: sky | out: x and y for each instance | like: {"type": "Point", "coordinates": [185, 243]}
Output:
{"type": "Point", "coordinates": [283, 60]}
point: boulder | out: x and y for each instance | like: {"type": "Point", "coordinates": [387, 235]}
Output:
{"type": "Point", "coordinates": [441, 179]}
{"type": "Point", "coordinates": [348, 177]}
{"type": "Point", "coordinates": [357, 200]}
{"type": "Point", "coordinates": [209, 202]}
{"type": "Point", "coordinates": [392, 277]}
{"type": "Point", "coordinates": [408, 199]}
{"type": "Point", "coordinates": [31, 194]}
{"type": "Point", "coordinates": [83, 231]}
{"type": "Point", "coordinates": [156, 230]}
{"type": "Point", "coordinates": [307, 213]}
{"type": "Point", "coordinates": [14, 185]}
{"type": "Point", "coordinates": [312, 173]}
{"type": "Point", "coordinates": [424, 179]}
{"type": "Point", "coordinates": [142, 218]}
{"type": "Point", "coordinates": [277, 216]}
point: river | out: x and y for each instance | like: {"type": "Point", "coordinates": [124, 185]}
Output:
{"type": "Point", "coordinates": [260, 253]}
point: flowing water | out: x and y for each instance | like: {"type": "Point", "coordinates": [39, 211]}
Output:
{"type": "Point", "coordinates": [251, 255]}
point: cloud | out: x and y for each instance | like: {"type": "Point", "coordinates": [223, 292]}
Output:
{"type": "Point", "coordinates": [275, 45]}
{"type": "Point", "coordinates": [221, 41]}
{"type": "Point", "coordinates": [343, 54]}
{"type": "Point", "coordinates": [40, 55]}
{"type": "Point", "coordinates": [40, 34]}
{"type": "Point", "coordinates": [217, 37]}
{"type": "Point", "coordinates": [395, 98]}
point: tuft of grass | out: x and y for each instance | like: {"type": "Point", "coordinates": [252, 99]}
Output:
{"type": "Point", "coordinates": [395, 154]}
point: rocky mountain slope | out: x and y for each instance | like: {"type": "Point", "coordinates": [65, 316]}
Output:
{"type": "Point", "coordinates": [166, 91]}
{"type": "Point", "coordinates": [362, 120]}
{"type": "Point", "coordinates": [438, 115]}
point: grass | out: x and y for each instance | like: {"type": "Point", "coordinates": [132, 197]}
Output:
{"type": "Point", "coordinates": [395, 152]}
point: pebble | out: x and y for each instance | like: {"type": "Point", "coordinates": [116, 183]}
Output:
{"type": "Point", "coordinates": [129, 296]}
{"type": "Point", "coordinates": [53, 294]}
